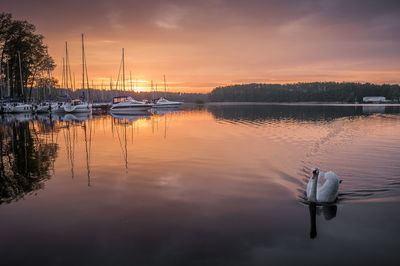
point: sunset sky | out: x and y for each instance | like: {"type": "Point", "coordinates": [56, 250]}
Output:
{"type": "Point", "coordinates": [199, 45]}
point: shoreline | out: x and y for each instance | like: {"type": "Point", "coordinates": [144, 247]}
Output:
{"type": "Point", "coordinates": [303, 103]}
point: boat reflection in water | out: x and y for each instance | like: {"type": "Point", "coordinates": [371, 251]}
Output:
{"type": "Point", "coordinates": [120, 124]}
{"type": "Point", "coordinates": [220, 189]}
{"type": "Point", "coordinates": [123, 118]}
{"type": "Point", "coordinates": [163, 111]}
{"type": "Point", "coordinates": [77, 117]}
{"type": "Point", "coordinates": [28, 151]}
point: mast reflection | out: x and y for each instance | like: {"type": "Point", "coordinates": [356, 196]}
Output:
{"type": "Point", "coordinates": [120, 124]}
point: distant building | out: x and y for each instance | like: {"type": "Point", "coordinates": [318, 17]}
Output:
{"type": "Point", "coordinates": [374, 99]}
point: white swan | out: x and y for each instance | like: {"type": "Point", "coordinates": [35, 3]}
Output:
{"type": "Point", "coordinates": [324, 193]}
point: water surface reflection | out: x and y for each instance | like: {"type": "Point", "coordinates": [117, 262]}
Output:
{"type": "Point", "coordinates": [217, 186]}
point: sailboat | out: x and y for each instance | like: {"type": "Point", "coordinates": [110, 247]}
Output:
{"type": "Point", "coordinates": [163, 102]}
{"type": "Point", "coordinates": [127, 104]}
{"type": "Point", "coordinates": [50, 106]}
{"type": "Point", "coordinates": [78, 105]}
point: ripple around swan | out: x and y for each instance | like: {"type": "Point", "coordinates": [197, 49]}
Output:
{"type": "Point", "coordinates": [364, 153]}
{"type": "Point", "coordinates": [361, 149]}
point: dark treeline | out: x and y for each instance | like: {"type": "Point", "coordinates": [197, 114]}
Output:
{"type": "Point", "coordinates": [106, 95]}
{"type": "Point", "coordinates": [303, 92]}
{"type": "Point", "coordinates": [173, 96]}
{"type": "Point", "coordinates": [24, 62]}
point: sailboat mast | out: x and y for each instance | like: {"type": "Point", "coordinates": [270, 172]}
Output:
{"type": "Point", "coordinates": [152, 90]}
{"type": "Point", "coordinates": [102, 91]}
{"type": "Point", "coordinates": [69, 71]}
{"type": "Point", "coordinates": [83, 65]}
{"type": "Point", "coordinates": [63, 75]}
{"type": "Point", "coordinates": [48, 72]}
{"type": "Point", "coordinates": [74, 81]}
{"type": "Point", "coordinates": [130, 80]}
{"type": "Point", "coordinates": [111, 93]}
{"type": "Point", "coordinates": [165, 88]}
{"type": "Point", "coordinates": [20, 73]}
{"type": "Point", "coordinates": [84, 69]}
{"type": "Point", "coordinates": [66, 65]}
{"type": "Point", "coordinates": [8, 78]}
{"type": "Point", "coordinates": [123, 68]}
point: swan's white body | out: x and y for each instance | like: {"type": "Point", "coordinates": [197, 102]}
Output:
{"type": "Point", "coordinates": [326, 192]}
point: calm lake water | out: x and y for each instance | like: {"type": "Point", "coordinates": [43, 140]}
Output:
{"type": "Point", "coordinates": [219, 185]}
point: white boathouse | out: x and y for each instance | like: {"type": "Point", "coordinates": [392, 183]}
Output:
{"type": "Point", "coordinates": [374, 99]}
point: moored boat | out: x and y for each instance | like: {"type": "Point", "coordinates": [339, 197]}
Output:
{"type": "Point", "coordinates": [128, 105]}
{"type": "Point", "coordinates": [50, 107]}
{"type": "Point", "coordinates": [19, 107]}
{"type": "Point", "coordinates": [77, 106]}
{"type": "Point", "coordinates": [164, 103]}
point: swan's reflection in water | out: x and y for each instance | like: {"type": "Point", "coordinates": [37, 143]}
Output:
{"type": "Point", "coordinates": [328, 211]}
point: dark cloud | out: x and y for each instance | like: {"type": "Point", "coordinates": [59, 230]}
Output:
{"type": "Point", "coordinates": [231, 39]}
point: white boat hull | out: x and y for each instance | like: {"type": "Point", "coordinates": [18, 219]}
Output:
{"type": "Point", "coordinates": [21, 108]}
{"type": "Point", "coordinates": [50, 107]}
{"type": "Point", "coordinates": [42, 109]}
{"type": "Point", "coordinates": [57, 108]}
{"type": "Point", "coordinates": [164, 103]}
{"type": "Point", "coordinates": [80, 108]}
{"type": "Point", "coordinates": [6, 108]}
{"type": "Point", "coordinates": [169, 105]}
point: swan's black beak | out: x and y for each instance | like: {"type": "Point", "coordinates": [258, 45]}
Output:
{"type": "Point", "coordinates": [314, 173]}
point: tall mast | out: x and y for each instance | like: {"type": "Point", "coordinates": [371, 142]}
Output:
{"type": "Point", "coordinates": [48, 72]}
{"type": "Point", "coordinates": [63, 75]}
{"type": "Point", "coordinates": [102, 91]}
{"type": "Point", "coordinates": [8, 78]}
{"type": "Point", "coordinates": [83, 65]}
{"type": "Point", "coordinates": [84, 69]}
{"type": "Point", "coordinates": [123, 69]}
{"type": "Point", "coordinates": [130, 80]}
{"type": "Point", "coordinates": [111, 93]}
{"type": "Point", "coordinates": [20, 73]}
{"type": "Point", "coordinates": [74, 82]}
{"type": "Point", "coordinates": [152, 90]}
{"type": "Point", "coordinates": [165, 88]}
{"type": "Point", "coordinates": [66, 65]}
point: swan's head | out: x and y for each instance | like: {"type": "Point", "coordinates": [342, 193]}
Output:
{"type": "Point", "coordinates": [315, 172]}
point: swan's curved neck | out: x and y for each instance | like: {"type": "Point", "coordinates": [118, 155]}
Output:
{"type": "Point", "coordinates": [313, 194]}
